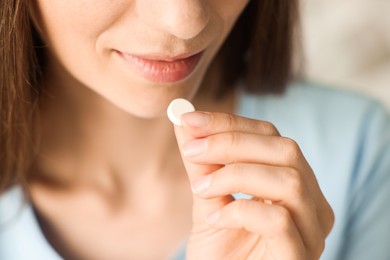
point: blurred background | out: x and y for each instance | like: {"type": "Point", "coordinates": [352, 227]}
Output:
{"type": "Point", "coordinates": [347, 44]}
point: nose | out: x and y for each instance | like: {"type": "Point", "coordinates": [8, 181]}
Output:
{"type": "Point", "coordinates": [182, 18]}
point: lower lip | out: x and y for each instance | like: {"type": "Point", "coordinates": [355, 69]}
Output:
{"type": "Point", "coordinates": [163, 71]}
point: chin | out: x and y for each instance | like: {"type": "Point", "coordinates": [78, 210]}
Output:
{"type": "Point", "coordinates": [148, 107]}
{"type": "Point", "coordinates": [146, 99]}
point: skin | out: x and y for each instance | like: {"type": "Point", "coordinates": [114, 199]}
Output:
{"type": "Point", "coordinates": [288, 216]}
{"type": "Point", "coordinates": [111, 176]}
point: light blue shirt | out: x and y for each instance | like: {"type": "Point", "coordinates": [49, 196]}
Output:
{"type": "Point", "coordinates": [346, 140]}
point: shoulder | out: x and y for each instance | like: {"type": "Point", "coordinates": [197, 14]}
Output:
{"type": "Point", "coordinates": [11, 205]}
{"type": "Point", "coordinates": [20, 234]}
{"type": "Point", "coordinates": [346, 139]}
{"type": "Point", "coordinates": [304, 101]}
{"type": "Point", "coordinates": [329, 124]}
{"type": "Point", "coordinates": [13, 215]}
{"type": "Point", "coordinates": [344, 136]}
{"type": "Point", "coordinates": [306, 111]}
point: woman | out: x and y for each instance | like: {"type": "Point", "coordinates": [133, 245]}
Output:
{"type": "Point", "coordinates": [85, 86]}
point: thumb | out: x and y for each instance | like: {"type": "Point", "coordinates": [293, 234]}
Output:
{"type": "Point", "coordinates": [201, 207]}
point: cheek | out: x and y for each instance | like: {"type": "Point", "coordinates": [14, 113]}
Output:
{"type": "Point", "coordinates": [71, 29]}
{"type": "Point", "coordinates": [81, 35]}
{"type": "Point", "coordinates": [229, 10]}
{"type": "Point", "coordinates": [65, 20]}
{"type": "Point", "coordinates": [81, 18]}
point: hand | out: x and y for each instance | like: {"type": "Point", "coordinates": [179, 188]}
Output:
{"type": "Point", "coordinates": [288, 216]}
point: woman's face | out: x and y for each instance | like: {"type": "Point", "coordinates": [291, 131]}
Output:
{"type": "Point", "coordinates": [139, 54]}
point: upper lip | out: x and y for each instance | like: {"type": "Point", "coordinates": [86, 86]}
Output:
{"type": "Point", "coordinates": [163, 57]}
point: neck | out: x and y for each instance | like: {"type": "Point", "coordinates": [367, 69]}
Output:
{"type": "Point", "coordinates": [86, 139]}
{"type": "Point", "coordinates": [89, 142]}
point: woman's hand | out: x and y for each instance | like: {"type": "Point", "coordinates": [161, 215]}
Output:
{"type": "Point", "coordinates": [288, 216]}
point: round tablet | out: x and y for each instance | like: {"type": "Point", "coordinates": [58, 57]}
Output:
{"type": "Point", "coordinates": [178, 107]}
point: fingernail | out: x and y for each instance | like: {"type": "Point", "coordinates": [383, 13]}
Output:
{"type": "Point", "coordinates": [194, 147]}
{"type": "Point", "coordinates": [196, 119]}
{"type": "Point", "coordinates": [213, 218]}
{"type": "Point", "coordinates": [201, 185]}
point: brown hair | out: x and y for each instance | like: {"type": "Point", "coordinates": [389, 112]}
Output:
{"type": "Point", "coordinates": [19, 72]}
{"type": "Point", "coordinates": [258, 50]}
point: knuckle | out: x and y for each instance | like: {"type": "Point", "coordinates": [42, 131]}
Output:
{"type": "Point", "coordinates": [232, 140]}
{"type": "Point", "coordinates": [320, 248]}
{"type": "Point", "coordinates": [291, 150]}
{"type": "Point", "coordinates": [235, 172]}
{"type": "Point", "coordinates": [293, 181]}
{"type": "Point", "coordinates": [268, 128]}
{"type": "Point", "coordinates": [329, 220]}
{"type": "Point", "coordinates": [316, 251]}
{"type": "Point", "coordinates": [241, 207]}
{"type": "Point", "coordinates": [230, 121]}
{"type": "Point", "coordinates": [281, 220]}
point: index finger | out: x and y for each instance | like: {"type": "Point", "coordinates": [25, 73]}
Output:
{"type": "Point", "coordinates": [201, 124]}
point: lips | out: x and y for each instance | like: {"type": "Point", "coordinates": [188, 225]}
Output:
{"type": "Point", "coordinates": [162, 69]}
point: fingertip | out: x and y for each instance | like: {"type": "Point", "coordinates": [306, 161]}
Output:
{"type": "Point", "coordinates": [196, 119]}
{"type": "Point", "coordinates": [201, 185]}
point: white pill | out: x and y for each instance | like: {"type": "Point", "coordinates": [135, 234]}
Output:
{"type": "Point", "coordinates": [177, 108]}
